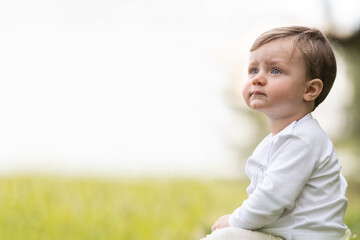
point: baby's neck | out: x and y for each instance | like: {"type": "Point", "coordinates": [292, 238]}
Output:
{"type": "Point", "coordinates": [278, 124]}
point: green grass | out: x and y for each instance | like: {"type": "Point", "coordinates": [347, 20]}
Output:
{"type": "Point", "coordinates": [51, 208]}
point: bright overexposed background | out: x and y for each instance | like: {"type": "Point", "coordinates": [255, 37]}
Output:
{"type": "Point", "coordinates": [136, 88]}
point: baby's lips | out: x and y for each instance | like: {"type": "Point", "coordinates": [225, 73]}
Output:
{"type": "Point", "coordinates": [257, 93]}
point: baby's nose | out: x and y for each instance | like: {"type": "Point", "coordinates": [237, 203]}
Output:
{"type": "Point", "coordinates": [259, 79]}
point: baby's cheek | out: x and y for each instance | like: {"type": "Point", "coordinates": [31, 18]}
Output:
{"type": "Point", "coordinates": [246, 90]}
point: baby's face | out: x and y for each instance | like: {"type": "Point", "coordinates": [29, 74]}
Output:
{"type": "Point", "coordinates": [276, 79]}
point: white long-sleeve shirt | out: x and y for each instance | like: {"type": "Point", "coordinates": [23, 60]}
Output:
{"type": "Point", "coordinates": [296, 190]}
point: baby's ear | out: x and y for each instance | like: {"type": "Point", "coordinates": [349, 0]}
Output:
{"type": "Point", "coordinates": [313, 89]}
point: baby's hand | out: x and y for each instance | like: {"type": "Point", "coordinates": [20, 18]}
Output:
{"type": "Point", "coordinates": [221, 223]}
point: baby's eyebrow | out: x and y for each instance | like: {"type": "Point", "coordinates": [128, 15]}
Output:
{"type": "Point", "coordinates": [270, 62]}
{"type": "Point", "coordinates": [276, 62]}
{"type": "Point", "coordinates": [253, 63]}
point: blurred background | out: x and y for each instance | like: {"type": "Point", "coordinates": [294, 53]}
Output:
{"type": "Point", "coordinates": [151, 87]}
{"type": "Point", "coordinates": [134, 89]}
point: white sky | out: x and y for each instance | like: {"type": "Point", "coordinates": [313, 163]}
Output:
{"type": "Point", "coordinates": [132, 87]}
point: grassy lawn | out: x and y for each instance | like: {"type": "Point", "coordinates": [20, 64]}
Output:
{"type": "Point", "coordinates": [39, 208]}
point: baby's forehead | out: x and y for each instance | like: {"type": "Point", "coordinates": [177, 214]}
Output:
{"type": "Point", "coordinates": [289, 42]}
{"type": "Point", "coordinates": [281, 48]}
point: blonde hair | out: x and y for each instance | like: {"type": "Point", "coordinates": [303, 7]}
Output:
{"type": "Point", "coordinates": [316, 49]}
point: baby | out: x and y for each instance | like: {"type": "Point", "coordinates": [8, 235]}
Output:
{"type": "Point", "coordinates": [297, 191]}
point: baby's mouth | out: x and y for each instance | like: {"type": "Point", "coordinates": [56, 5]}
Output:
{"type": "Point", "coordinates": [257, 93]}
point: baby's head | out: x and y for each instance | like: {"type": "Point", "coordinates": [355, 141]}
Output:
{"type": "Point", "coordinates": [316, 50]}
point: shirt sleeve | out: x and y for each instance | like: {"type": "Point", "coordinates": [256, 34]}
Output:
{"type": "Point", "coordinates": [291, 164]}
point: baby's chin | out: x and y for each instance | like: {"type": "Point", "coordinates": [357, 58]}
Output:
{"type": "Point", "coordinates": [257, 105]}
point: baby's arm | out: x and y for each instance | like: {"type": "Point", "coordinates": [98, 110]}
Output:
{"type": "Point", "coordinates": [290, 168]}
{"type": "Point", "coordinates": [221, 223]}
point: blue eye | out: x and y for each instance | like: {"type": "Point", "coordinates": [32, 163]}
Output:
{"type": "Point", "coordinates": [254, 71]}
{"type": "Point", "coordinates": [275, 71]}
